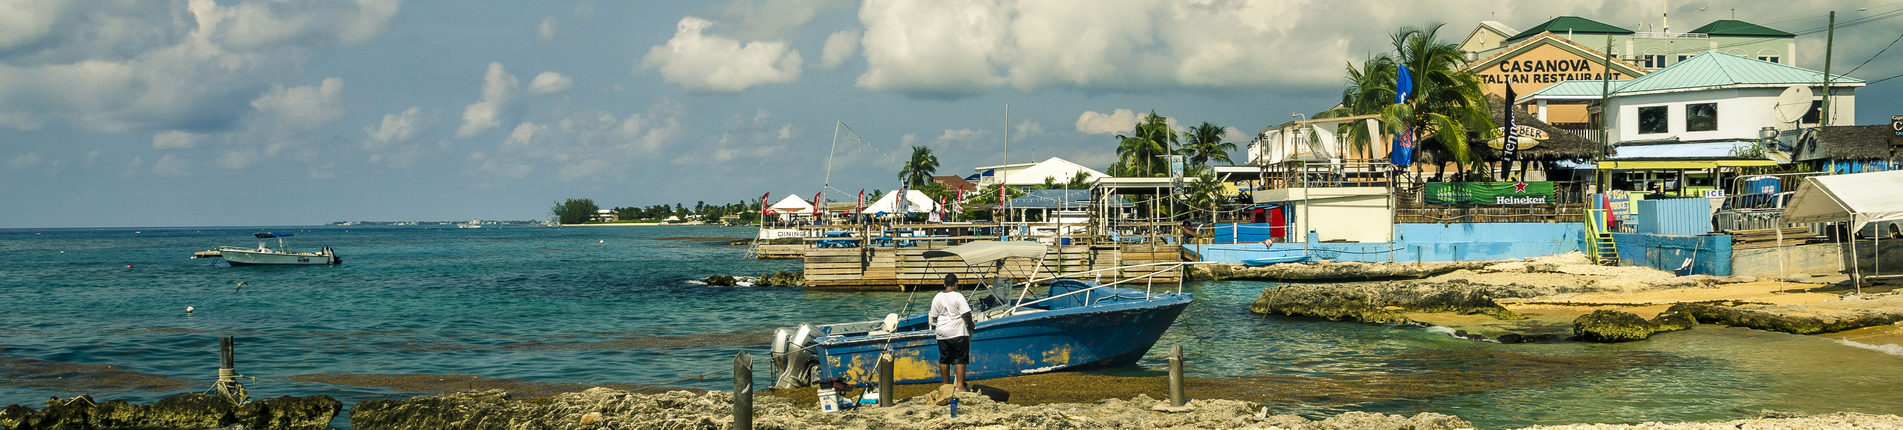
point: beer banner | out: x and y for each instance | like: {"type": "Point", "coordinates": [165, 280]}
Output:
{"type": "Point", "coordinates": [1489, 193]}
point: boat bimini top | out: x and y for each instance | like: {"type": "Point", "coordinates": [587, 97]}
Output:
{"type": "Point", "coordinates": [981, 252]}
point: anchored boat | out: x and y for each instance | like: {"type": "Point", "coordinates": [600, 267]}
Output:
{"type": "Point", "coordinates": [1074, 324]}
{"type": "Point", "coordinates": [263, 255]}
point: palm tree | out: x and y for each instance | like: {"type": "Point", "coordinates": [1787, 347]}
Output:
{"type": "Point", "coordinates": [918, 171]}
{"type": "Point", "coordinates": [1446, 102]}
{"type": "Point", "coordinates": [1370, 91]}
{"type": "Point", "coordinates": [1203, 143]}
{"type": "Point", "coordinates": [1141, 153]}
{"type": "Point", "coordinates": [1205, 192]}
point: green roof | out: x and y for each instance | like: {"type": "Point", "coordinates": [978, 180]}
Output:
{"type": "Point", "coordinates": [1576, 88]}
{"type": "Point", "coordinates": [1732, 27]}
{"type": "Point", "coordinates": [1718, 69]}
{"type": "Point", "coordinates": [1573, 24]}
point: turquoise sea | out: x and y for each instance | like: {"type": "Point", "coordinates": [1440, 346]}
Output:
{"type": "Point", "coordinates": [102, 312]}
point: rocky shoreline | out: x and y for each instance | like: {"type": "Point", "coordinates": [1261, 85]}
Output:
{"type": "Point", "coordinates": [605, 408]}
{"type": "Point", "coordinates": [183, 411]}
{"type": "Point", "coordinates": [1564, 297]}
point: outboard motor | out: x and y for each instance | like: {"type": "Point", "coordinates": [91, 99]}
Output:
{"type": "Point", "coordinates": [778, 356]}
{"type": "Point", "coordinates": [798, 370]}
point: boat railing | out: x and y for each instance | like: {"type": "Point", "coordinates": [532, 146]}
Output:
{"type": "Point", "coordinates": [1148, 287]}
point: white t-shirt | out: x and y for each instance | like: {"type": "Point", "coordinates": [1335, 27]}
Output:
{"type": "Point", "coordinates": [947, 311]}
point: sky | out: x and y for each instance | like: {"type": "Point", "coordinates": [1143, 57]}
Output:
{"type": "Point", "coordinates": [137, 113]}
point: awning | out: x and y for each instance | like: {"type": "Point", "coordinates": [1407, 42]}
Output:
{"type": "Point", "coordinates": [1860, 198]}
{"type": "Point", "coordinates": [1681, 164]}
{"type": "Point", "coordinates": [981, 252]}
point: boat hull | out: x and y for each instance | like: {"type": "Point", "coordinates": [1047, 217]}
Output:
{"type": "Point", "coordinates": [256, 258]}
{"type": "Point", "coordinates": [1101, 335]}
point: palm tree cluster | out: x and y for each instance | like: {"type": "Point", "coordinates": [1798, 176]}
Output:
{"type": "Point", "coordinates": [1143, 152]}
{"type": "Point", "coordinates": [1445, 105]}
{"type": "Point", "coordinates": [917, 171]}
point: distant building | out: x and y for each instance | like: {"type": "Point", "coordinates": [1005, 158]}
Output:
{"type": "Point", "coordinates": [1653, 50]}
{"type": "Point", "coordinates": [1487, 36]}
{"type": "Point", "coordinates": [1535, 63]}
{"type": "Point", "coordinates": [605, 215]}
{"type": "Point", "coordinates": [1032, 174]}
{"type": "Point", "coordinates": [955, 183]}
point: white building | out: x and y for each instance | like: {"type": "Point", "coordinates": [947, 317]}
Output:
{"type": "Point", "coordinates": [1714, 106]}
{"type": "Point", "coordinates": [1031, 174]}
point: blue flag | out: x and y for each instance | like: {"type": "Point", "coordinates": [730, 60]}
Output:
{"type": "Point", "coordinates": [1402, 152]}
{"type": "Point", "coordinates": [1403, 85]}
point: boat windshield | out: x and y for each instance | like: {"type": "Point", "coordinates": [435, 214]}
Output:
{"type": "Point", "coordinates": [981, 252]}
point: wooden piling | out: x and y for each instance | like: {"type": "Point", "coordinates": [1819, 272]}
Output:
{"type": "Point", "coordinates": [885, 379]}
{"type": "Point", "coordinates": [1176, 376]}
{"type": "Point", "coordinates": [742, 391]}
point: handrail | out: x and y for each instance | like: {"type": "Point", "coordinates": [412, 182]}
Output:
{"type": "Point", "coordinates": [1147, 276]}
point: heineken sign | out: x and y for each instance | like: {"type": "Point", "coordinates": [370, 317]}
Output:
{"type": "Point", "coordinates": [1489, 193]}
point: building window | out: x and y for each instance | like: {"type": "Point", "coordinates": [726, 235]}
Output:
{"type": "Point", "coordinates": [1652, 120]}
{"type": "Point", "coordinates": [1768, 58]}
{"type": "Point", "coordinates": [1701, 117]}
{"type": "Point", "coordinates": [1815, 113]}
{"type": "Point", "coordinates": [1654, 61]}
{"type": "Point", "coordinates": [1682, 57]}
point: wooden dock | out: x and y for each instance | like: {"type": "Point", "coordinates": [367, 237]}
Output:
{"type": "Point", "coordinates": [905, 267]}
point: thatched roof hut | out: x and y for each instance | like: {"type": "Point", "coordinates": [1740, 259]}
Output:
{"type": "Point", "coordinates": [1849, 143]}
{"type": "Point", "coordinates": [1559, 144]}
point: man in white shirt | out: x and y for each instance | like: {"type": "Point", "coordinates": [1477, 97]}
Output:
{"type": "Point", "coordinates": [951, 318]}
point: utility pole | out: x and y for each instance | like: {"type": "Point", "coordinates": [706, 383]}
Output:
{"type": "Point", "coordinates": [1605, 130]}
{"type": "Point", "coordinates": [1830, 39]}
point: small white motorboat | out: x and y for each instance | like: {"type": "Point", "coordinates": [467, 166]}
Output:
{"type": "Point", "coordinates": [263, 255]}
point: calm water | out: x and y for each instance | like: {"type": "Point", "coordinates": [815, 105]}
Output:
{"type": "Point", "coordinates": [619, 306]}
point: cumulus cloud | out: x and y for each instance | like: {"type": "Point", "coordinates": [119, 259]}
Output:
{"type": "Point", "coordinates": [550, 83]}
{"type": "Point", "coordinates": [139, 65]}
{"type": "Point", "coordinates": [546, 30]}
{"type": "Point", "coordinates": [395, 127]}
{"type": "Point", "coordinates": [1120, 121]}
{"type": "Point", "coordinates": [387, 139]}
{"type": "Point", "coordinates": [839, 47]}
{"type": "Point", "coordinates": [303, 107]}
{"type": "Point", "coordinates": [25, 161]}
{"type": "Point", "coordinates": [952, 49]}
{"type": "Point", "coordinates": [773, 19]}
{"type": "Point", "coordinates": [171, 165]}
{"type": "Point", "coordinates": [933, 48]}
{"type": "Point", "coordinates": [498, 88]}
{"type": "Point", "coordinates": [707, 63]}
{"type": "Point", "coordinates": [1028, 128]}
{"type": "Point", "coordinates": [583, 146]}
{"type": "Point", "coordinates": [174, 139]}
{"type": "Point", "coordinates": [958, 135]}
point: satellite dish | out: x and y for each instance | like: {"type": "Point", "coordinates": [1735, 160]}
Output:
{"type": "Point", "coordinates": [1793, 103]}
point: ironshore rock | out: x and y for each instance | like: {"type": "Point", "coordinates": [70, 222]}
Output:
{"type": "Point", "coordinates": [183, 411]}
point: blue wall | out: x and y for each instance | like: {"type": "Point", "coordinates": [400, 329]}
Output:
{"type": "Point", "coordinates": [1428, 242]}
{"type": "Point", "coordinates": [1677, 217]}
{"type": "Point", "coordinates": [1711, 254]}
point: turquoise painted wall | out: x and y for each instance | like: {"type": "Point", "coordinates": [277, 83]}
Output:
{"type": "Point", "coordinates": [1710, 254]}
{"type": "Point", "coordinates": [1426, 242]}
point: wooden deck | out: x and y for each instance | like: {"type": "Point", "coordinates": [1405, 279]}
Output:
{"type": "Point", "coordinates": [902, 268]}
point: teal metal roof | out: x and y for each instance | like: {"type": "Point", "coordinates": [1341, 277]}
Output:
{"type": "Point", "coordinates": [1572, 24]}
{"type": "Point", "coordinates": [1576, 88]}
{"type": "Point", "coordinates": [1732, 27]}
{"type": "Point", "coordinates": [1718, 69]}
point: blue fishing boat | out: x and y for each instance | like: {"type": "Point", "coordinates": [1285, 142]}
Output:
{"type": "Point", "coordinates": [1264, 261]}
{"type": "Point", "coordinates": [1074, 324]}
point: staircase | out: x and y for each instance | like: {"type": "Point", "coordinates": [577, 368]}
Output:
{"type": "Point", "coordinates": [1599, 244]}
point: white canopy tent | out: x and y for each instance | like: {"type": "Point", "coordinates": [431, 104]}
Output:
{"type": "Point", "coordinates": [1859, 198]}
{"type": "Point", "coordinates": [792, 204]}
{"type": "Point", "coordinates": [915, 202]}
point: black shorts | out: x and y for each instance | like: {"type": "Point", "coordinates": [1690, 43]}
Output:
{"type": "Point", "coordinates": [956, 350]}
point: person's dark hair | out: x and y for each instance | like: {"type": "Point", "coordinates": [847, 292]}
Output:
{"type": "Point", "coordinates": [951, 279]}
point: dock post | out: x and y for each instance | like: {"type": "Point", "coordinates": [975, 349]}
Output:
{"type": "Point", "coordinates": [1176, 376]}
{"type": "Point", "coordinates": [742, 391]}
{"type": "Point", "coordinates": [885, 379]}
{"type": "Point", "coordinates": [227, 385]}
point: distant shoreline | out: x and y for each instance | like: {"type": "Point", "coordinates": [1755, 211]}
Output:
{"type": "Point", "coordinates": [629, 224]}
